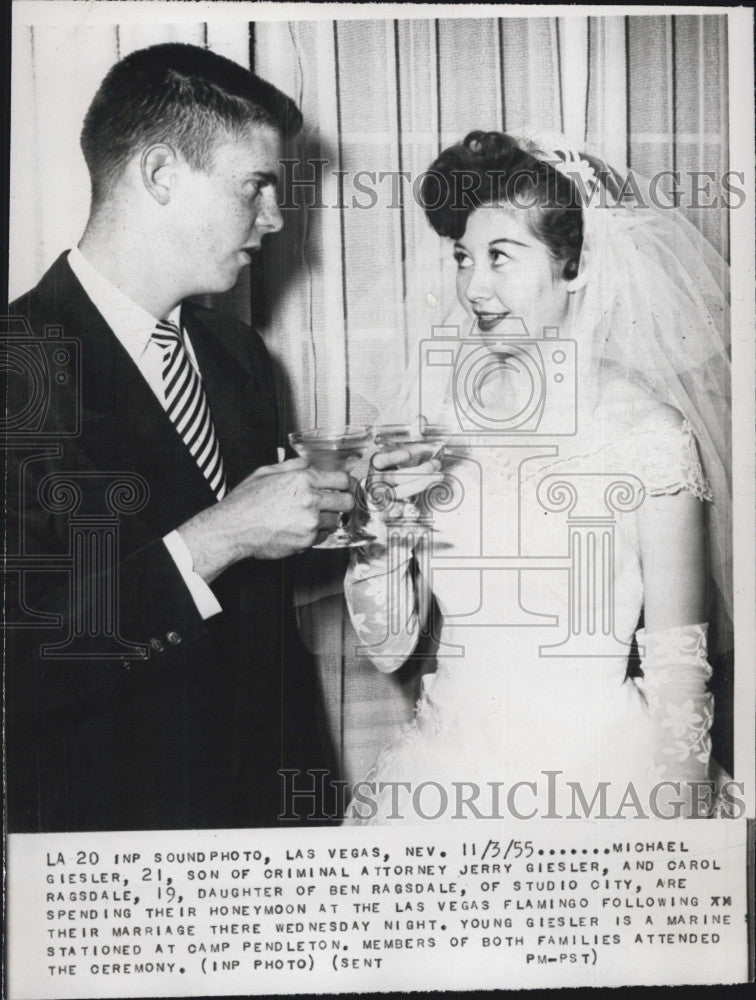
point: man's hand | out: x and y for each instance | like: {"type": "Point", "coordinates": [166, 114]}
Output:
{"type": "Point", "coordinates": [273, 513]}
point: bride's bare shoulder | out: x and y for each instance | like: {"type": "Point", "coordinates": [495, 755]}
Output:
{"type": "Point", "coordinates": [633, 408]}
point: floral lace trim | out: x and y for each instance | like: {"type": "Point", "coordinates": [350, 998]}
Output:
{"type": "Point", "coordinates": [677, 468]}
{"type": "Point", "coordinates": [370, 587]}
{"type": "Point", "coordinates": [675, 674]}
{"type": "Point", "coordinates": [688, 475]}
{"type": "Point", "coordinates": [670, 645]}
{"type": "Point", "coordinates": [688, 723]}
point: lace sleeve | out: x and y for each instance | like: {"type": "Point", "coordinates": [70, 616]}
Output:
{"type": "Point", "coordinates": [670, 462]}
{"type": "Point", "coordinates": [675, 676]}
{"type": "Point", "coordinates": [381, 598]}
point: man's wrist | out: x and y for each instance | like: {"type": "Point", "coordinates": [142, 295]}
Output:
{"type": "Point", "coordinates": [210, 549]}
{"type": "Point", "coordinates": [203, 597]}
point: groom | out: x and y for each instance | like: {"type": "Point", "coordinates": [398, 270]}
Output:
{"type": "Point", "coordinates": [154, 674]}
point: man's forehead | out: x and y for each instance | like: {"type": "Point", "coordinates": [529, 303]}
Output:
{"type": "Point", "coordinates": [256, 147]}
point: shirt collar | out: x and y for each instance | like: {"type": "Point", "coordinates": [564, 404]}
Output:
{"type": "Point", "coordinates": [132, 325]}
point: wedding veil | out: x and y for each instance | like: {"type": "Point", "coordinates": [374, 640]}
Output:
{"type": "Point", "coordinates": [652, 304]}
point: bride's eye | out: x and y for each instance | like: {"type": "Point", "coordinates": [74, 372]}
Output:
{"type": "Point", "coordinates": [498, 257]}
{"type": "Point", "coordinates": [462, 259]}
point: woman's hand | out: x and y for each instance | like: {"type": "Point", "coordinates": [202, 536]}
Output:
{"type": "Point", "coordinates": [396, 477]}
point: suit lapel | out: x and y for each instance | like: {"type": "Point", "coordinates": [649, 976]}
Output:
{"type": "Point", "coordinates": [124, 426]}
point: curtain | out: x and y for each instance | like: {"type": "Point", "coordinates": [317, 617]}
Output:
{"type": "Point", "coordinates": [357, 278]}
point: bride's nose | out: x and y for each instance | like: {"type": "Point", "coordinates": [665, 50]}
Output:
{"type": "Point", "coordinates": [478, 287]}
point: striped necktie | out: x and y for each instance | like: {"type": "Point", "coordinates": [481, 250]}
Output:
{"type": "Point", "coordinates": [188, 408]}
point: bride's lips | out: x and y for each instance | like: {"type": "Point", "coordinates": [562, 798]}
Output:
{"type": "Point", "coordinates": [487, 320]}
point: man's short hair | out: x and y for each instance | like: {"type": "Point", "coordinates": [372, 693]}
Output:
{"type": "Point", "coordinates": [182, 95]}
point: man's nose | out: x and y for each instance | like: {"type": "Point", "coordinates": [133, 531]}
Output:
{"type": "Point", "coordinates": [269, 218]}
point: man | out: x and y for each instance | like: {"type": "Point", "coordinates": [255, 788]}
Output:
{"type": "Point", "coordinates": [174, 703]}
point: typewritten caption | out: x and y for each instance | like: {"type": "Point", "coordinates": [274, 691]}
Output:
{"type": "Point", "coordinates": [240, 912]}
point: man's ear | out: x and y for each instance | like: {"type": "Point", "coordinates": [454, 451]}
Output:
{"type": "Point", "coordinates": [158, 165]}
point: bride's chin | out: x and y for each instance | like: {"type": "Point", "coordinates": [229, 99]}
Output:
{"type": "Point", "coordinates": [497, 346]}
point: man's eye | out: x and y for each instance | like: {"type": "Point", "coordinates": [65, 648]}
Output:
{"type": "Point", "coordinates": [462, 259]}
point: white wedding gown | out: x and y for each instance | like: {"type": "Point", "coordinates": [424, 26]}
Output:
{"type": "Point", "coordinates": [533, 650]}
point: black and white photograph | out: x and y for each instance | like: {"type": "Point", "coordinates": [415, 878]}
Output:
{"type": "Point", "coordinates": [379, 489]}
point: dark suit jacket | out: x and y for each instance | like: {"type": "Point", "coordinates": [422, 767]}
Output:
{"type": "Point", "coordinates": [193, 734]}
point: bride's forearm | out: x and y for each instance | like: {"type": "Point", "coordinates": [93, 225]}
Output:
{"type": "Point", "coordinates": [675, 676]}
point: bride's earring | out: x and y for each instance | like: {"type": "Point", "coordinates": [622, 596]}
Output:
{"type": "Point", "coordinates": [581, 278]}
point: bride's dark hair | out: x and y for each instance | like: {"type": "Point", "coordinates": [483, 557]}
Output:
{"type": "Point", "coordinates": [489, 168]}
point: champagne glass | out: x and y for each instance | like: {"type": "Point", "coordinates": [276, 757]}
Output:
{"type": "Point", "coordinates": [336, 449]}
{"type": "Point", "coordinates": [422, 440]}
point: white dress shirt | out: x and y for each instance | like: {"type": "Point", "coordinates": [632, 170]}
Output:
{"type": "Point", "coordinates": [134, 326]}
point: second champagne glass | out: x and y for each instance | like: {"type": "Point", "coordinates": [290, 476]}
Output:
{"type": "Point", "coordinates": [422, 440]}
{"type": "Point", "coordinates": [335, 449]}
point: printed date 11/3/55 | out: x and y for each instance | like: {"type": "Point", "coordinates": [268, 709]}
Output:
{"type": "Point", "coordinates": [499, 849]}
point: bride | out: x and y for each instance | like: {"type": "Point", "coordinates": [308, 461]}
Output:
{"type": "Point", "coordinates": [571, 535]}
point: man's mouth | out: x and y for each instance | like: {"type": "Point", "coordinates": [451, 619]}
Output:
{"type": "Point", "coordinates": [488, 320]}
{"type": "Point", "coordinates": [250, 252]}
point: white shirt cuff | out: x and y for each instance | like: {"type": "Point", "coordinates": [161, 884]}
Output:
{"type": "Point", "coordinates": [203, 597]}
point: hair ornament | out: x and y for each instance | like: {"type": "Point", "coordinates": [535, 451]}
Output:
{"type": "Point", "coordinates": [582, 169]}
{"type": "Point", "coordinates": [560, 154]}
